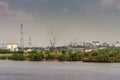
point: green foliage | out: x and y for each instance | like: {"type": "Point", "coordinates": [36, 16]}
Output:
{"type": "Point", "coordinates": [35, 57]}
{"type": "Point", "coordinates": [103, 55]}
{"type": "Point", "coordinates": [62, 57]}
{"type": "Point", "coordinates": [71, 56]}
{"type": "Point", "coordinates": [47, 52]}
{"type": "Point", "coordinates": [4, 51]}
{"type": "Point", "coordinates": [3, 57]}
{"type": "Point", "coordinates": [51, 56]}
{"type": "Point", "coordinates": [17, 57]}
{"type": "Point", "coordinates": [63, 51]}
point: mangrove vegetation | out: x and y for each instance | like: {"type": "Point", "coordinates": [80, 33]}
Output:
{"type": "Point", "coordinates": [101, 55]}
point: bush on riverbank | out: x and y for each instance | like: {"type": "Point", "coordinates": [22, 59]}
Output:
{"type": "Point", "coordinates": [35, 57]}
{"type": "Point", "coordinates": [17, 57]}
{"type": "Point", "coordinates": [51, 56]}
{"type": "Point", "coordinates": [102, 55]}
{"type": "Point", "coordinates": [71, 56]}
{"type": "Point", "coordinates": [5, 56]}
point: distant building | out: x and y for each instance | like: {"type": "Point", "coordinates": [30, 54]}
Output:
{"type": "Point", "coordinates": [96, 43]}
{"type": "Point", "coordinates": [28, 50]}
{"type": "Point", "coordinates": [104, 44]}
{"type": "Point", "coordinates": [80, 43]}
{"type": "Point", "coordinates": [117, 45]}
{"type": "Point", "coordinates": [12, 47]}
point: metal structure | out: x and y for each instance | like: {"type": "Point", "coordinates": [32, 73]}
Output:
{"type": "Point", "coordinates": [30, 42]}
{"type": "Point", "coordinates": [53, 43]}
{"type": "Point", "coordinates": [21, 38]}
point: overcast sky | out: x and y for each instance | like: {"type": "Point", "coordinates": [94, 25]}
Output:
{"type": "Point", "coordinates": [85, 20]}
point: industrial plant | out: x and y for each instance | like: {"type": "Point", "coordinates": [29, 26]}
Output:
{"type": "Point", "coordinates": [73, 45]}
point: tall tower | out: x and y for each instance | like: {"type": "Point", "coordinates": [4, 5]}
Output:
{"type": "Point", "coordinates": [30, 42]}
{"type": "Point", "coordinates": [21, 38]}
{"type": "Point", "coordinates": [53, 43]}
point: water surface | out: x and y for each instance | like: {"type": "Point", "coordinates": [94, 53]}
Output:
{"type": "Point", "coordinates": [53, 70]}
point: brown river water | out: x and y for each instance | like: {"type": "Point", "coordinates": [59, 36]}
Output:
{"type": "Point", "coordinates": [53, 70]}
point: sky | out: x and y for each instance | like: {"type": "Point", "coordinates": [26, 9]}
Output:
{"type": "Point", "coordinates": [66, 20]}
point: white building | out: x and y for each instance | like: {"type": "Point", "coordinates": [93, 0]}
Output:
{"type": "Point", "coordinates": [81, 43]}
{"type": "Point", "coordinates": [12, 47]}
{"type": "Point", "coordinates": [117, 44]}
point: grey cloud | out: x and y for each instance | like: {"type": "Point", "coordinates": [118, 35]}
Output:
{"type": "Point", "coordinates": [101, 6]}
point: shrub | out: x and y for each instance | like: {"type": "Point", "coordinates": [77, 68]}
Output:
{"type": "Point", "coordinates": [3, 57]}
{"type": "Point", "coordinates": [47, 52]}
{"type": "Point", "coordinates": [35, 57]}
{"type": "Point", "coordinates": [63, 51]}
{"type": "Point", "coordinates": [51, 56]}
{"type": "Point", "coordinates": [62, 57]}
{"type": "Point", "coordinates": [17, 57]}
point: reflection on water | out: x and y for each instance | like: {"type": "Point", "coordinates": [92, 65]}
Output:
{"type": "Point", "coordinates": [53, 70]}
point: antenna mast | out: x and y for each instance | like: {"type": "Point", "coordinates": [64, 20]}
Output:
{"type": "Point", "coordinates": [21, 38]}
{"type": "Point", "coordinates": [53, 43]}
{"type": "Point", "coordinates": [30, 42]}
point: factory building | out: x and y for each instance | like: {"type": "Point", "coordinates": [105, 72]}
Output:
{"type": "Point", "coordinates": [12, 47]}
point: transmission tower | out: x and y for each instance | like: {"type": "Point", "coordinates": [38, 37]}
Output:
{"type": "Point", "coordinates": [30, 42]}
{"type": "Point", "coordinates": [21, 38]}
{"type": "Point", "coordinates": [53, 43]}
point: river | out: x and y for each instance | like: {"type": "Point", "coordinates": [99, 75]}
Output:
{"type": "Point", "coordinates": [53, 70]}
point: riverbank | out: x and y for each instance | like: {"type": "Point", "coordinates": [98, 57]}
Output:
{"type": "Point", "coordinates": [102, 55]}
